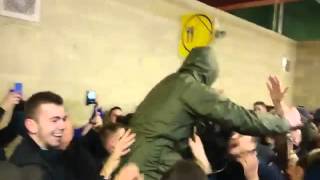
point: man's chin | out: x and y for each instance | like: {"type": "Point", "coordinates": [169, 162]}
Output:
{"type": "Point", "coordinates": [55, 144]}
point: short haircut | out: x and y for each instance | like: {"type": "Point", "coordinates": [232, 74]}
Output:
{"type": "Point", "coordinates": [114, 108]}
{"type": "Point", "coordinates": [261, 103]}
{"type": "Point", "coordinates": [124, 119]}
{"type": "Point", "coordinates": [33, 103]}
{"type": "Point", "coordinates": [317, 115]}
{"type": "Point", "coordinates": [108, 129]}
{"type": "Point", "coordinates": [186, 170]}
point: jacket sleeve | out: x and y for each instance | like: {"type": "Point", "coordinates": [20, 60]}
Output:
{"type": "Point", "coordinates": [11, 131]}
{"type": "Point", "coordinates": [7, 135]}
{"type": "Point", "coordinates": [205, 102]}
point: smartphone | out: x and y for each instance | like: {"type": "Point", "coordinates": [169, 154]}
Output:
{"type": "Point", "coordinates": [91, 97]}
{"type": "Point", "coordinates": [18, 87]}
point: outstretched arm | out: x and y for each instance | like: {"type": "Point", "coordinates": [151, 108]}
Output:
{"type": "Point", "coordinates": [203, 101]}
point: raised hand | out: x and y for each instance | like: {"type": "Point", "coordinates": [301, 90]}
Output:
{"type": "Point", "coordinates": [243, 149]}
{"type": "Point", "coordinates": [129, 172]}
{"type": "Point", "coordinates": [250, 164]}
{"type": "Point", "coordinates": [122, 147]}
{"type": "Point", "coordinates": [196, 147]}
{"type": "Point", "coordinates": [97, 120]}
{"type": "Point", "coordinates": [10, 100]}
{"type": "Point", "coordinates": [276, 91]}
{"type": "Point", "coordinates": [199, 153]}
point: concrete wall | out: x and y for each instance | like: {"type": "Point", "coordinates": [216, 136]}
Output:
{"type": "Point", "coordinates": [122, 48]}
{"type": "Point", "coordinates": [306, 78]}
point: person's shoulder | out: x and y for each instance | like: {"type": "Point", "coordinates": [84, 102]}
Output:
{"type": "Point", "coordinates": [27, 152]}
{"type": "Point", "coordinates": [9, 171]}
{"type": "Point", "coordinates": [34, 172]}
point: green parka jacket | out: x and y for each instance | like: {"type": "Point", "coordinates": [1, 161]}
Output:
{"type": "Point", "coordinates": [164, 120]}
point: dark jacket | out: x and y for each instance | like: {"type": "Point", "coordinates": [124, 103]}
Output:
{"type": "Point", "coordinates": [14, 127]}
{"type": "Point", "coordinates": [75, 163]}
{"type": "Point", "coordinates": [91, 142]}
{"type": "Point", "coordinates": [9, 171]}
{"type": "Point", "coordinates": [168, 113]}
{"type": "Point", "coordinates": [215, 140]}
{"type": "Point", "coordinates": [81, 164]}
{"type": "Point", "coordinates": [37, 164]}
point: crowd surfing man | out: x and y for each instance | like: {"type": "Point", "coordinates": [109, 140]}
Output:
{"type": "Point", "coordinates": [164, 120]}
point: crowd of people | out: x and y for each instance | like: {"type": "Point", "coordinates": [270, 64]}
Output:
{"type": "Point", "coordinates": [183, 130]}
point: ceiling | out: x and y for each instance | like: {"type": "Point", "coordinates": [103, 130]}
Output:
{"type": "Point", "coordinates": [228, 5]}
{"type": "Point", "coordinates": [300, 19]}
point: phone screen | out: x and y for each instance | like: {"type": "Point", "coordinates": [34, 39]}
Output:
{"type": "Point", "coordinates": [91, 97]}
{"type": "Point", "coordinates": [18, 88]}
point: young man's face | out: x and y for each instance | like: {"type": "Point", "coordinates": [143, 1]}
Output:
{"type": "Point", "coordinates": [240, 145]}
{"type": "Point", "coordinates": [50, 122]}
{"type": "Point", "coordinates": [114, 114]}
{"type": "Point", "coordinates": [113, 139]}
{"type": "Point", "coordinates": [67, 135]}
{"type": "Point", "coordinates": [260, 109]}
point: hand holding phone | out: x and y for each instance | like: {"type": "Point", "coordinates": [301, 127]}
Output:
{"type": "Point", "coordinates": [10, 100]}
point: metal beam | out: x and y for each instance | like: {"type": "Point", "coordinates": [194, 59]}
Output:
{"type": "Point", "coordinates": [280, 20]}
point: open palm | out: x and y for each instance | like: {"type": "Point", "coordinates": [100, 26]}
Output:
{"type": "Point", "coordinates": [276, 91]}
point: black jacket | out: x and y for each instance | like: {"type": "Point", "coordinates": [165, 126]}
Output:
{"type": "Point", "coordinates": [11, 131]}
{"type": "Point", "coordinates": [8, 133]}
{"type": "Point", "coordinates": [81, 163]}
{"type": "Point", "coordinates": [9, 171]}
{"type": "Point", "coordinates": [37, 164]}
{"type": "Point", "coordinates": [93, 145]}
{"type": "Point", "coordinates": [75, 163]}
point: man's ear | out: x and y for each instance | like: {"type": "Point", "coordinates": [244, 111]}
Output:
{"type": "Point", "coordinates": [31, 126]}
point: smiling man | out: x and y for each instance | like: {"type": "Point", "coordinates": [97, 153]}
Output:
{"type": "Point", "coordinates": [45, 121]}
